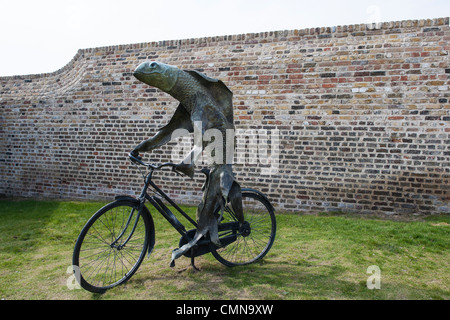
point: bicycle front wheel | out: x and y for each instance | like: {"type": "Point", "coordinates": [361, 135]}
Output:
{"type": "Point", "coordinates": [111, 246]}
{"type": "Point", "coordinates": [254, 239]}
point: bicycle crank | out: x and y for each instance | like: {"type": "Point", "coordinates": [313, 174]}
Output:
{"type": "Point", "coordinates": [245, 229]}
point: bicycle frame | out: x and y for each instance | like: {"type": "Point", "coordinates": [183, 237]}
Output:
{"type": "Point", "coordinates": [161, 207]}
{"type": "Point", "coordinates": [202, 246]}
{"type": "Point", "coordinates": [157, 203]}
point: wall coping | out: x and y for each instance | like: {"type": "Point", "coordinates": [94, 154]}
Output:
{"type": "Point", "coordinates": [355, 29]}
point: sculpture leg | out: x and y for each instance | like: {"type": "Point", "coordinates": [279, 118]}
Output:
{"type": "Point", "coordinates": [235, 197]}
{"type": "Point", "coordinates": [206, 223]}
{"type": "Point", "coordinates": [192, 260]}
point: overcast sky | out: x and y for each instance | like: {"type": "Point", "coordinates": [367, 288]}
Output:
{"type": "Point", "coordinates": [40, 36]}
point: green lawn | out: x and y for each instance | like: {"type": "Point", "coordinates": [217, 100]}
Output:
{"type": "Point", "coordinates": [314, 257]}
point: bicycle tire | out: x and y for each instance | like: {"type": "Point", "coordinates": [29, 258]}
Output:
{"type": "Point", "coordinates": [99, 264]}
{"type": "Point", "coordinates": [254, 246]}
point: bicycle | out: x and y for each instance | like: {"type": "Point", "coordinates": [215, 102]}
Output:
{"type": "Point", "coordinates": [115, 240]}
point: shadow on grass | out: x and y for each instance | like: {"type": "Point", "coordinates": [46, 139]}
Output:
{"type": "Point", "coordinates": [270, 280]}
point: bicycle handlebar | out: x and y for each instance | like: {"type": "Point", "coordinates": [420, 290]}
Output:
{"type": "Point", "coordinates": [149, 165]}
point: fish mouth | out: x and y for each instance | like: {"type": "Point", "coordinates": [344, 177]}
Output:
{"type": "Point", "coordinates": [140, 74]}
{"type": "Point", "coordinates": [144, 72]}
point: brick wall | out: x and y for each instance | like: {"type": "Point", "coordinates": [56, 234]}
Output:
{"type": "Point", "coordinates": [362, 111]}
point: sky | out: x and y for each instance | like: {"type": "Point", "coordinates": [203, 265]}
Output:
{"type": "Point", "coordinates": [40, 36]}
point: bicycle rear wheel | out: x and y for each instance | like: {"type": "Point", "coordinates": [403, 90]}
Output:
{"type": "Point", "coordinates": [254, 239]}
{"type": "Point", "coordinates": [111, 246]}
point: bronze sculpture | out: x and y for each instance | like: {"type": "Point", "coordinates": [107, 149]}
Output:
{"type": "Point", "coordinates": [205, 104]}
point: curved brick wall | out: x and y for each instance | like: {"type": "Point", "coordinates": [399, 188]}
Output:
{"type": "Point", "coordinates": [363, 114]}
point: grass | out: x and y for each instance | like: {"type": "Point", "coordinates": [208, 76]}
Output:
{"type": "Point", "coordinates": [314, 257]}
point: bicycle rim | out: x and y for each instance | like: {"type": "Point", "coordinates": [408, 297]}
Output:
{"type": "Point", "coordinates": [102, 253]}
{"type": "Point", "coordinates": [254, 246]}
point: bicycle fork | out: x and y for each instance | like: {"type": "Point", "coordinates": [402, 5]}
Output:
{"type": "Point", "coordinates": [119, 247]}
